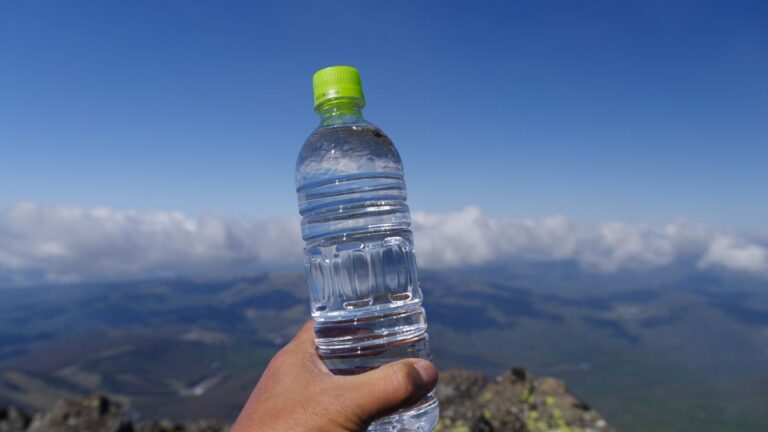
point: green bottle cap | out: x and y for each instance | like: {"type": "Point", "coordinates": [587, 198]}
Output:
{"type": "Point", "coordinates": [337, 82]}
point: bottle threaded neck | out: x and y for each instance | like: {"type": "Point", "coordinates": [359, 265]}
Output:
{"type": "Point", "coordinates": [341, 111]}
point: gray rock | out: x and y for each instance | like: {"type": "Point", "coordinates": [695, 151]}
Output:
{"type": "Point", "coordinates": [514, 402]}
{"type": "Point", "coordinates": [94, 414]}
{"type": "Point", "coordinates": [13, 419]}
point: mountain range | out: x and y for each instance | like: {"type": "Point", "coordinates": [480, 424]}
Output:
{"type": "Point", "coordinates": [669, 350]}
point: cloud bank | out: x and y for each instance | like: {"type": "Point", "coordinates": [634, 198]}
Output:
{"type": "Point", "coordinates": [72, 244]}
{"type": "Point", "coordinates": [64, 244]}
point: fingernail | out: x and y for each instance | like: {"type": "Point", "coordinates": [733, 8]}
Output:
{"type": "Point", "coordinates": [427, 371]}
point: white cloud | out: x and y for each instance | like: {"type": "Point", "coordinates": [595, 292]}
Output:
{"type": "Point", "coordinates": [468, 236]}
{"type": "Point", "coordinates": [71, 243]}
{"type": "Point", "coordinates": [736, 254]}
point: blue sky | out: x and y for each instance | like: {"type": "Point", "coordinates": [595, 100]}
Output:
{"type": "Point", "coordinates": [643, 112]}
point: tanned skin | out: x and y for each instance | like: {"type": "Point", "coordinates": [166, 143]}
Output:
{"type": "Point", "coordinates": [297, 393]}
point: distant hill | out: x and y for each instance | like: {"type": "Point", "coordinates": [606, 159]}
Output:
{"type": "Point", "coordinates": [666, 352]}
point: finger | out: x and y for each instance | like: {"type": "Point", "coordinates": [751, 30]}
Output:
{"type": "Point", "coordinates": [305, 336]}
{"type": "Point", "coordinates": [303, 340]}
{"type": "Point", "coordinates": [299, 355]}
{"type": "Point", "coordinates": [389, 388]}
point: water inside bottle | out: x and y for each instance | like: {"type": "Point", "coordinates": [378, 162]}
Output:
{"type": "Point", "coordinates": [360, 260]}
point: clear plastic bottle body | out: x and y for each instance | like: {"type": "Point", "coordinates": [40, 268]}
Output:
{"type": "Point", "coordinates": [361, 268]}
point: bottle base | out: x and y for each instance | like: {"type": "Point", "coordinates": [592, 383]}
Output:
{"type": "Point", "coordinates": [420, 418]}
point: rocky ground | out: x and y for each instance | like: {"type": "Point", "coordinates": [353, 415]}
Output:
{"type": "Point", "coordinates": [469, 402]}
{"type": "Point", "coordinates": [513, 402]}
{"type": "Point", "coordinates": [94, 414]}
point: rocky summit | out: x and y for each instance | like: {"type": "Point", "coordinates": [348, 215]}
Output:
{"type": "Point", "coordinates": [513, 402]}
{"type": "Point", "coordinates": [92, 414]}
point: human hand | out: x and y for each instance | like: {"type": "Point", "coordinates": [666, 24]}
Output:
{"type": "Point", "coordinates": [297, 393]}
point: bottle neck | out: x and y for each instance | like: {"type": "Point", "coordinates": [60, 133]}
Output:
{"type": "Point", "coordinates": [341, 112]}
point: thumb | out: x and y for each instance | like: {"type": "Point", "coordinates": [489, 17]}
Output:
{"type": "Point", "coordinates": [397, 385]}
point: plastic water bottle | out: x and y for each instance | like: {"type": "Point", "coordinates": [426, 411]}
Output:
{"type": "Point", "coordinates": [361, 269]}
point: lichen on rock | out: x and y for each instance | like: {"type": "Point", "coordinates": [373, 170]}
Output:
{"type": "Point", "coordinates": [515, 401]}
